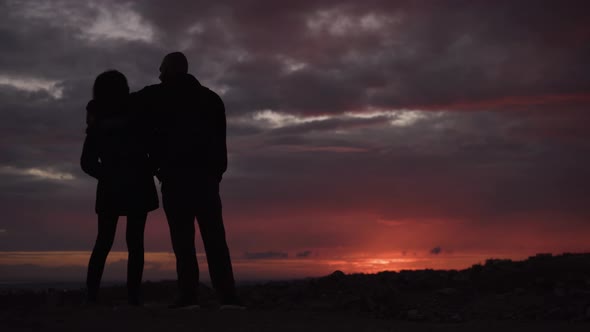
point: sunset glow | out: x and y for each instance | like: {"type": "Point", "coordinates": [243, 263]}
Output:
{"type": "Point", "coordinates": [71, 265]}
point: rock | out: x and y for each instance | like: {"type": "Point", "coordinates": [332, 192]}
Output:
{"type": "Point", "coordinates": [447, 291]}
{"type": "Point", "coordinates": [369, 303]}
{"type": "Point", "coordinates": [509, 315]}
{"type": "Point", "coordinates": [539, 281]}
{"type": "Point", "coordinates": [519, 291]}
{"type": "Point", "coordinates": [52, 297]}
{"type": "Point", "coordinates": [456, 318]}
{"type": "Point", "coordinates": [580, 292]}
{"type": "Point", "coordinates": [554, 313]}
{"type": "Point", "coordinates": [415, 315]}
{"type": "Point", "coordinates": [319, 305]}
{"type": "Point", "coordinates": [559, 292]}
{"type": "Point", "coordinates": [462, 277]}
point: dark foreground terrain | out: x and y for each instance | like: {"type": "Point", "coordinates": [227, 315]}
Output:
{"type": "Point", "coordinates": [542, 293]}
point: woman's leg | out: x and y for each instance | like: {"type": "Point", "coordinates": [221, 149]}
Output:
{"type": "Point", "coordinates": [134, 236]}
{"type": "Point", "coordinates": [107, 225]}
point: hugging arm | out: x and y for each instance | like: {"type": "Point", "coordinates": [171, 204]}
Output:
{"type": "Point", "coordinates": [144, 104]}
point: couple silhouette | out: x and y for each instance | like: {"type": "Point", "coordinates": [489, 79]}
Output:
{"type": "Point", "coordinates": [176, 131]}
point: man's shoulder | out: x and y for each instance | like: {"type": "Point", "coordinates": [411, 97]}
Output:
{"type": "Point", "coordinates": [148, 89]}
{"type": "Point", "coordinates": [148, 96]}
{"type": "Point", "coordinates": [211, 96]}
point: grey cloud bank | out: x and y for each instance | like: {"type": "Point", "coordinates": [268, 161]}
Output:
{"type": "Point", "coordinates": [412, 110]}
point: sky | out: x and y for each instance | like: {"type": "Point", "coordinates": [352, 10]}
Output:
{"type": "Point", "coordinates": [362, 135]}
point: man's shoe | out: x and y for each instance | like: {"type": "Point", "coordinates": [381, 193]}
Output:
{"type": "Point", "coordinates": [229, 307]}
{"type": "Point", "coordinates": [134, 302]}
{"type": "Point", "coordinates": [233, 304]}
{"type": "Point", "coordinates": [185, 304]}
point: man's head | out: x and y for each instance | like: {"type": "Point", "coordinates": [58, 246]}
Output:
{"type": "Point", "coordinates": [174, 65]}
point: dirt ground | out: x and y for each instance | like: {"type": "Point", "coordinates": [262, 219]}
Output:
{"type": "Point", "coordinates": [543, 293]}
{"type": "Point", "coordinates": [124, 318]}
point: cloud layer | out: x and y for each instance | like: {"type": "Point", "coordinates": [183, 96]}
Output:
{"type": "Point", "coordinates": [354, 127]}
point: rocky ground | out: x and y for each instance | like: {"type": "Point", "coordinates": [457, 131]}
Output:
{"type": "Point", "coordinates": [542, 293]}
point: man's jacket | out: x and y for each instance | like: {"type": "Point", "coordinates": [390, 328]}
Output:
{"type": "Point", "coordinates": [189, 129]}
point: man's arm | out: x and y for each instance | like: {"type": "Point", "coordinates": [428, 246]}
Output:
{"type": "Point", "coordinates": [220, 148]}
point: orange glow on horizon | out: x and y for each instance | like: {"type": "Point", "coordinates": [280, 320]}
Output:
{"type": "Point", "coordinates": [161, 265]}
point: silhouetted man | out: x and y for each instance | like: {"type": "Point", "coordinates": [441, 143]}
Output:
{"type": "Point", "coordinates": [190, 151]}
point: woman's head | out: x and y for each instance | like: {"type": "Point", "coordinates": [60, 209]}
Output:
{"type": "Point", "coordinates": [110, 85]}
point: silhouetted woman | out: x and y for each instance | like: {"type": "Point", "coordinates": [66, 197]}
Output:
{"type": "Point", "coordinates": [115, 153]}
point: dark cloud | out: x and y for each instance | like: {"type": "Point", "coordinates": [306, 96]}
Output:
{"type": "Point", "coordinates": [354, 55]}
{"type": "Point", "coordinates": [436, 250]}
{"type": "Point", "coordinates": [303, 254]}
{"type": "Point", "coordinates": [265, 255]}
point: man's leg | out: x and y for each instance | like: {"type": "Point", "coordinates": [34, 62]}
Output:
{"type": "Point", "coordinates": [135, 260]}
{"type": "Point", "coordinates": [210, 219]}
{"type": "Point", "coordinates": [181, 222]}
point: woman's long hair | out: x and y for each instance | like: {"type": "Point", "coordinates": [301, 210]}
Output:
{"type": "Point", "coordinates": [109, 86]}
{"type": "Point", "coordinates": [110, 89]}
